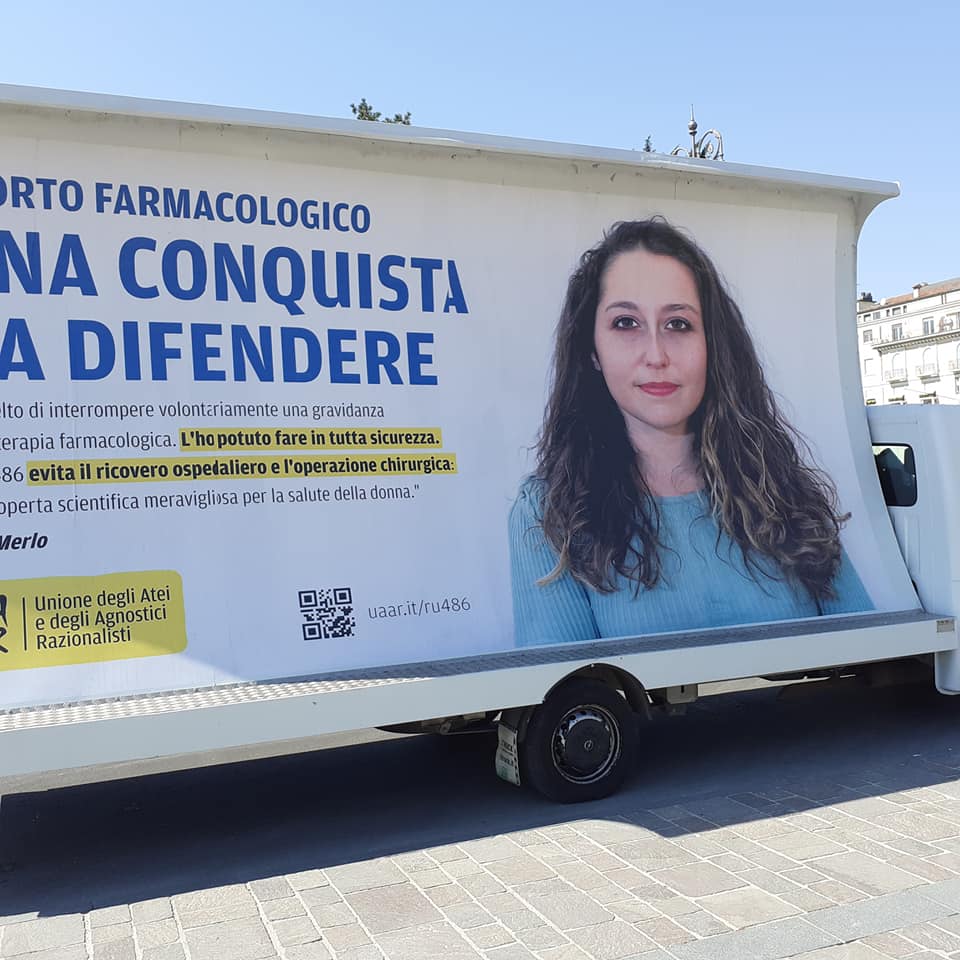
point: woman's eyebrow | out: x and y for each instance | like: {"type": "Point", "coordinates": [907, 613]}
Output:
{"type": "Point", "coordinates": [630, 305]}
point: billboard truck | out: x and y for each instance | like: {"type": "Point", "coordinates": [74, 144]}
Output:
{"type": "Point", "coordinates": [317, 425]}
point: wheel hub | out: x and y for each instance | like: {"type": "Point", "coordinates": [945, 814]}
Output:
{"type": "Point", "coordinates": [586, 744]}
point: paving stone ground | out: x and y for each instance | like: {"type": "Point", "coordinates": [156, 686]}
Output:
{"type": "Point", "coordinates": [844, 867]}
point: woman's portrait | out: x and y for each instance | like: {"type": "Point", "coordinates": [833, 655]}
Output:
{"type": "Point", "coordinates": [669, 492]}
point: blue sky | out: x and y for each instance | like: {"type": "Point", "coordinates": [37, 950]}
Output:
{"type": "Point", "coordinates": [864, 89]}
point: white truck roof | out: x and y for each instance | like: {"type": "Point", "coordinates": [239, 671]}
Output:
{"type": "Point", "coordinates": [21, 98]}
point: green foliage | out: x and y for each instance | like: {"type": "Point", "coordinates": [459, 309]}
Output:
{"type": "Point", "coordinates": [363, 111]}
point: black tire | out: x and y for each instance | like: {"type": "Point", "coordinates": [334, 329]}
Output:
{"type": "Point", "coordinates": [580, 743]}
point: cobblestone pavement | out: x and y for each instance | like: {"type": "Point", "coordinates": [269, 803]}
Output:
{"type": "Point", "coordinates": [852, 858]}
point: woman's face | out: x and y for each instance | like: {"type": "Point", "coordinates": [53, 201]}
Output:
{"type": "Point", "coordinates": [649, 343]}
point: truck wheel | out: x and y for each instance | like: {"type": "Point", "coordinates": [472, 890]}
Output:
{"type": "Point", "coordinates": [580, 743]}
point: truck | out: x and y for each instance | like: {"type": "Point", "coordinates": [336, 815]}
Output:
{"type": "Point", "coordinates": [275, 463]}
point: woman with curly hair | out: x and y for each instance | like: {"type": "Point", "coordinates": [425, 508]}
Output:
{"type": "Point", "coordinates": [669, 492]}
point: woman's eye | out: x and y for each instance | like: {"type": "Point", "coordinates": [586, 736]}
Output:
{"type": "Point", "coordinates": [678, 323]}
{"type": "Point", "coordinates": [624, 323]}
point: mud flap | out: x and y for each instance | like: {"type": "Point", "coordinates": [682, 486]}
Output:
{"type": "Point", "coordinates": [507, 762]}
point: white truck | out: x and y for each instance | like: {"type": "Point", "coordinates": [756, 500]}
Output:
{"type": "Point", "coordinates": [271, 387]}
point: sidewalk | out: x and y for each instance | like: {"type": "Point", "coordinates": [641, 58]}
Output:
{"type": "Point", "coordinates": [844, 866]}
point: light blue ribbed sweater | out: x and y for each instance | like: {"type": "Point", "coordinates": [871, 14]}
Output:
{"type": "Point", "coordinates": [704, 583]}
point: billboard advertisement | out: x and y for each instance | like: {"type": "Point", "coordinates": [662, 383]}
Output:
{"type": "Point", "coordinates": [267, 418]}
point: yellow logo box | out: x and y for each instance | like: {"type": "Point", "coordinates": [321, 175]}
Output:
{"type": "Point", "coordinates": [56, 621]}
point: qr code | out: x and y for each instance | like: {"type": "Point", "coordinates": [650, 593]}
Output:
{"type": "Point", "coordinates": [327, 614]}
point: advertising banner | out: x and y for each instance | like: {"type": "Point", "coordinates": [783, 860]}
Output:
{"type": "Point", "coordinates": [265, 419]}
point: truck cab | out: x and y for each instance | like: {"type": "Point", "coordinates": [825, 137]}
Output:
{"type": "Point", "coordinates": [918, 461]}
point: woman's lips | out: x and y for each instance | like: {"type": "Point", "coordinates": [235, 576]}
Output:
{"type": "Point", "coordinates": [659, 389]}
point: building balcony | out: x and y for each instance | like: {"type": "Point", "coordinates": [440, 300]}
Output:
{"type": "Point", "coordinates": [928, 371]}
{"type": "Point", "coordinates": [897, 375]}
{"type": "Point", "coordinates": [888, 343]}
{"type": "Point", "coordinates": [954, 366]}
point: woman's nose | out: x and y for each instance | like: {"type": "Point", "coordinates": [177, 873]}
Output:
{"type": "Point", "coordinates": [655, 354]}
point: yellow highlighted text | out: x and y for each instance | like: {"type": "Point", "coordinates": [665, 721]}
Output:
{"type": "Point", "coordinates": [45, 473]}
{"type": "Point", "coordinates": [215, 439]}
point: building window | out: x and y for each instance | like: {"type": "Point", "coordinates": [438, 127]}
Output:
{"type": "Point", "coordinates": [867, 336]}
{"type": "Point", "coordinates": [928, 324]}
{"type": "Point", "coordinates": [896, 331]}
{"type": "Point", "coordinates": [896, 311]}
{"type": "Point", "coordinates": [928, 367]}
{"type": "Point", "coordinates": [869, 366]}
{"type": "Point", "coordinates": [949, 322]}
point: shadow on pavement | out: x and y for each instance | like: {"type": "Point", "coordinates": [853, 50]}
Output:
{"type": "Point", "coordinates": [732, 758]}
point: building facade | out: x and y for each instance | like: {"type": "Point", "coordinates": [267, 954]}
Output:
{"type": "Point", "coordinates": [910, 345]}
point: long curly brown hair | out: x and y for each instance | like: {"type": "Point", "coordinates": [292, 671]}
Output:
{"type": "Point", "coordinates": [597, 511]}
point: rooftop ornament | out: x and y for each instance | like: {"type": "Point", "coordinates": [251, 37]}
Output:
{"type": "Point", "coordinates": [708, 147]}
